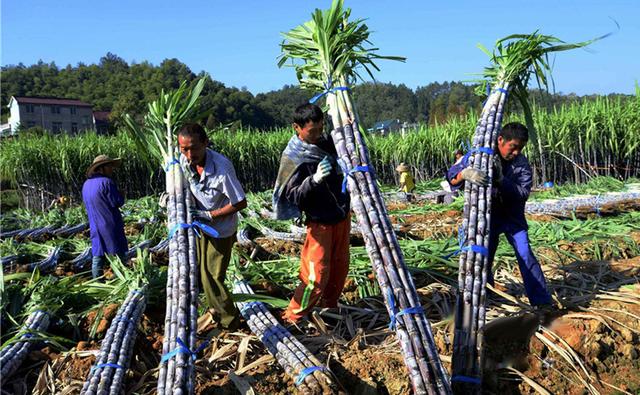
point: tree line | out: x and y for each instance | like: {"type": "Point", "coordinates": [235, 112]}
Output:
{"type": "Point", "coordinates": [117, 86]}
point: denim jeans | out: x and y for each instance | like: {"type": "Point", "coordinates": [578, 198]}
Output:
{"type": "Point", "coordinates": [97, 264]}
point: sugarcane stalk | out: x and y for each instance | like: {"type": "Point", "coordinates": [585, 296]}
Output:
{"type": "Point", "coordinates": [289, 352]}
{"type": "Point", "coordinates": [421, 359]}
{"type": "Point", "coordinates": [12, 356]}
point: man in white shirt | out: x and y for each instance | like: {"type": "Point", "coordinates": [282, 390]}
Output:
{"type": "Point", "coordinates": [218, 197]}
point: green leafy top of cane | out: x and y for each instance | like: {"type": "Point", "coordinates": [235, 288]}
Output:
{"type": "Point", "coordinates": [518, 57]}
{"type": "Point", "coordinates": [330, 49]}
{"type": "Point", "coordinates": [156, 139]}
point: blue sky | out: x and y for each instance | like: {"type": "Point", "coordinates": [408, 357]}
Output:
{"type": "Point", "coordinates": [237, 42]}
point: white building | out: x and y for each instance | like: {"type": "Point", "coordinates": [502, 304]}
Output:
{"type": "Point", "coordinates": [50, 113]}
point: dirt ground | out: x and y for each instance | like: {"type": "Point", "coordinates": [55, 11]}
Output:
{"type": "Point", "coordinates": [592, 346]}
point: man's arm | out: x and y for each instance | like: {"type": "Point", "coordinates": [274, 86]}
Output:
{"type": "Point", "coordinates": [229, 209]}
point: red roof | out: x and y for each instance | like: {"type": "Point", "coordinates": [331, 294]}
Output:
{"type": "Point", "coordinates": [51, 101]}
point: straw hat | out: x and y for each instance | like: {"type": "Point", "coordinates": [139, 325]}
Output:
{"type": "Point", "coordinates": [402, 168]}
{"type": "Point", "coordinates": [101, 160]}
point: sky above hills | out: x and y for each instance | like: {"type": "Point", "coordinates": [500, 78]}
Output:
{"type": "Point", "coordinates": [238, 42]}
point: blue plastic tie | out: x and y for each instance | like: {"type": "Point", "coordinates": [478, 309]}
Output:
{"type": "Point", "coordinates": [183, 349]}
{"type": "Point", "coordinates": [328, 89]}
{"type": "Point", "coordinates": [466, 379]}
{"type": "Point", "coordinates": [488, 92]}
{"type": "Point", "coordinates": [362, 168]}
{"type": "Point", "coordinates": [307, 371]}
{"type": "Point", "coordinates": [396, 314]}
{"type": "Point", "coordinates": [462, 239]}
{"type": "Point", "coordinates": [195, 225]}
{"type": "Point", "coordinates": [107, 365]}
{"type": "Point", "coordinates": [249, 305]}
{"type": "Point", "coordinates": [392, 307]}
{"type": "Point", "coordinates": [485, 150]}
{"type": "Point", "coordinates": [273, 330]}
{"type": "Point", "coordinates": [172, 162]}
{"type": "Point", "coordinates": [477, 249]}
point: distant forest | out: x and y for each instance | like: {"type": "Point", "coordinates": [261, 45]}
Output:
{"type": "Point", "coordinates": [116, 86]}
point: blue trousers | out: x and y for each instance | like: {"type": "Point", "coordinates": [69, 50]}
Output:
{"type": "Point", "coordinates": [532, 276]}
{"type": "Point", "coordinates": [97, 264]}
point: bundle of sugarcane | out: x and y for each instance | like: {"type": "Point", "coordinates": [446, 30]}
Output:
{"type": "Point", "coordinates": [12, 355]}
{"type": "Point", "coordinates": [46, 295]}
{"type": "Point", "coordinates": [82, 261]}
{"type": "Point", "coordinates": [70, 230]}
{"type": "Point", "coordinates": [106, 376]}
{"type": "Point", "coordinates": [47, 264]}
{"type": "Point", "coordinates": [143, 245]}
{"type": "Point", "coordinates": [515, 59]}
{"type": "Point", "coordinates": [158, 141]}
{"type": "Point", "coordinates": [330, 47]}
{"type": "Point", "coordinates": [310, 375]}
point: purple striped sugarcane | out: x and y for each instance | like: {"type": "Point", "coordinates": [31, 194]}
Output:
{"type": "Point", "coordinates": [106, 375]}
{"type": "Point", "coordinates": [514, 59]}
{"type": "Point", "coordinates": [310, 376]}
{"type": "Point", "coordinates": [12, 355]}
{"type": "Point", "coordinates": [329, 48]}
{"type": "Point", "coordinates": [165, 117]}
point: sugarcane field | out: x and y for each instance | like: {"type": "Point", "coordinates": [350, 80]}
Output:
{"type": "Point", "coordinates": [163, 233]}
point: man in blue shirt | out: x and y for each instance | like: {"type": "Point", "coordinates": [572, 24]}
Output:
{"type": "Point", "coordinates": [512, 180]}
{"type": "Point", "coordinates": [102, 201]}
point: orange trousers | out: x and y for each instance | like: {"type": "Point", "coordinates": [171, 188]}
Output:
{"type": "Point", "coordinates": [323, 268]}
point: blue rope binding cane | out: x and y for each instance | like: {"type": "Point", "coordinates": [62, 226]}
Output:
{"type": "Point", "coordinates": [328, 88]}
{"type": "Point", "coordinates": [183, 349]}
{"type": "Point", "coordinates": [307, 371]}
{"type": "Point", "coordinates": [392, 306]}
{"type": "Point", "coordinates": [346, 173]}
{"type": "Point", "coordinates": [462, 239]}
{"type": "Point", "coordinates": [195, 225]}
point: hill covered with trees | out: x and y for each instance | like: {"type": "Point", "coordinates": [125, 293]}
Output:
{"type": "Point", "coordinates": [117, 86]}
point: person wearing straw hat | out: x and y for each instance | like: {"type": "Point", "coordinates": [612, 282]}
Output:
{"type": "Point", "coordinates": [407, 185]}
{"type": "Point", "coordinates": [102, 201]}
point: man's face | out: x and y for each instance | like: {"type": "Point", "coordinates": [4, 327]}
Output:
{"type": "Point", "coordinates": [107, 170]}
{"type": "Point", "coordinates": [311, 132]}
{"type": "Point", "coordinates": [509, 149]}
{"type": "Point", "coordinates": [194, 149]}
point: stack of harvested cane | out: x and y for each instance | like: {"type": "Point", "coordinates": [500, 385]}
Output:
{"type": "Point", "coordinates": [106, 376]}
{"type": "Point", "coordinates": [12, 356]}
{"type": "Point", "coordinates": [514, 60]}
{"type": "Point", "coordinates": [311, 376]}
{"type": "Point", "coordinates": [165, 118]}
{"type": "Point", "coordinates": [330, 48]}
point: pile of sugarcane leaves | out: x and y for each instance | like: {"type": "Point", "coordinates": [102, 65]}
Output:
{"type": "Point", "coordinates": [60, 330]}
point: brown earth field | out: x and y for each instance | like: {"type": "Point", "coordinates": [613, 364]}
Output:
{"type": "Point", "coordinates": [589, 345]}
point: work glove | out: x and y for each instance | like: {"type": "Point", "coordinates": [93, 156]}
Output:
{"type": "Point", "coordinates": [324, 168]}
{"type": "Point", "coordinates": [475, 176]}
{"type": "Point", "coordinates": [497, 171]}
{"type": "Point", "coordinates": [201, 215]}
